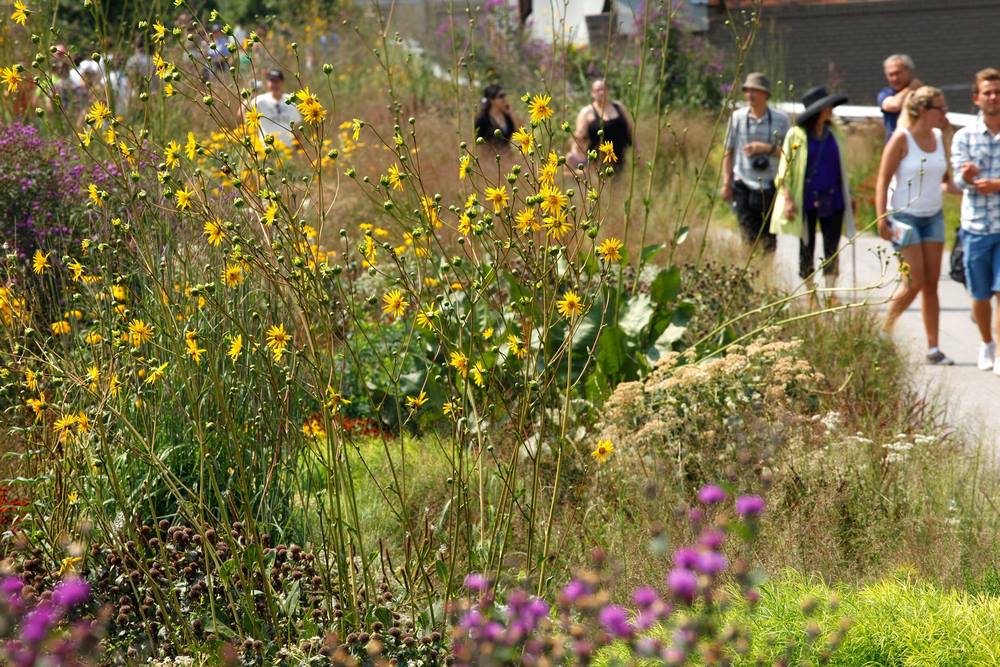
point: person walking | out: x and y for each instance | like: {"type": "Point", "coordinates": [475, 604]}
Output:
{"type": "Point", "coordinates": [277, 117]}
{"type": "Point", "coordinates": [813, 187]}
{"type": "Point", "coordinates": [975, 160]}
{"type": "Point", "coordinates": [494, 114]}
{"type": "Point", "coordinates": [891, 99]}
{"type": "Point", "coordinates": [908, 204]}
{"type": "Point", "coordinates": [601, 125]}
{"type": "Point", "coordinates": [750, 163]}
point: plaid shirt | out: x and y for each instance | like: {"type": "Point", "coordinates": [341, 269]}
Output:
{"type": "Point", "coordinates": [975, 143]}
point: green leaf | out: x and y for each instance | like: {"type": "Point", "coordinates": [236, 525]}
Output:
{"type": "Point", "coordinates": [681, 235]}
{"type": "Point", "coordinates": [638, 312]}
{"type": "Point", "coordinates": [611, 352]}
{"type": "Point", "coordinates": [383, 615]}
{"type": "Point", "coordinates": [649, 252]}
{"type": "Point", "coordinates": [290, 603]}
{"type": "Point", "coordinates": [665, 342]}
{"type": "Point", "coordinates": [219, 628]}
{"type": "Point", "coordinates": [666, 286]}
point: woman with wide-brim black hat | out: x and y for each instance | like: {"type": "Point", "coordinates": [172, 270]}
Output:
{"type": "Point", "coordinates": [813, 185]}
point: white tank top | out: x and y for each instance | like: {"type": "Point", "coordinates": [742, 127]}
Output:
{"type": "Point", "coordinates": [916, 186]}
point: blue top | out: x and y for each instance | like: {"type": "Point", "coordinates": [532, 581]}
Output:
{"type": "Point", "coordinates": [823, 190]}
{"type": "Point", "coordinates": [889, 118]}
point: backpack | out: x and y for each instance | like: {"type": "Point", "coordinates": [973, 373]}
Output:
{"type": "Point", "coordinates": [957, 260]}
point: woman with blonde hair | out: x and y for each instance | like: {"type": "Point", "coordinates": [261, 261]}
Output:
{"type": "Point", "coordinates": [908, 201]}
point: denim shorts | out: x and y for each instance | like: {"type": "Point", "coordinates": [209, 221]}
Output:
{"type": "Point", "coordinates": [922, 229]}
{"type": "Point", "coordinates": [982, 264]}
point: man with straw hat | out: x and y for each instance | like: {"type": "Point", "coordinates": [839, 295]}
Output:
{"type": "Point", "coordinates": [750, 162]}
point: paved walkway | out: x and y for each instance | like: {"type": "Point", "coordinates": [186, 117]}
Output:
{"type": "Point", "coordinates": [972, 395]}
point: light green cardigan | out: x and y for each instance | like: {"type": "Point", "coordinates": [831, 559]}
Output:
{"type": "Point", "coordinates": [792, 174]}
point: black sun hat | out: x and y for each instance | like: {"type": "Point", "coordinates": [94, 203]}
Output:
{"type": "Point", "coordinates": [815, 100]}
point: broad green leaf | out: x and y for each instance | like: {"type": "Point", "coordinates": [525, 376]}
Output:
{"type": "Point", "coordinates": [638, 312]}
{"type": "Point", "coordinates": [681, 235]}
{"type": "Point", "coordinates": [650, 251]}
{"type": "Point", "coordinates": [666, 286]}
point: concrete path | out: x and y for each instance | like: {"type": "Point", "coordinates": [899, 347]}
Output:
{"type": "Point", "coordinates": [972, 395]}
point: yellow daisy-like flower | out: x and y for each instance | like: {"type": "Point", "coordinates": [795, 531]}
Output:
{"type": "Point", "coordinates": [539, 108]}
{"type": "Point", "coordinates": [82, 422]}
{"type": "Point", "coordinates": [139, 333]}
{"type": "Point", "coordinates": [479, 374]}
{"type": "Point", "coordinates": [10, 77]}
{"type": "Point", "coordinates": [516, 348]}
{"type": "Point", "coordinates": [192, 350]}
{"type": "Point", "coordinates": [425, 318]}
{"type": "Point", "coordinates": [465, 223]}
{"type": "Point", "coordinates": [157, 373]}
{"type": "Point", "coordinates": [95, 195]}
{"type": "Point", "coordinates": [309, 106]}
{"type": "Point", "coordinates": [415, 402]}
{"type": "Point", "coordinates": [76, 269]}
{"type": "Point", "coordinates": [235, 347]}
{"type": "Point", "coordinates": [524, 139]}
{"type": "Point", "coordinates": [94, 377]}
{"type": "Point", "coordinates": [215, 231]}
{"type": "Point", "coordinates": [553, 199]}
{"type": "Point", "coordinates": [97, 114]}
{"type": "Point", "coordinates": [171, 154]}
{"type": "Point", "coordinates": [31, 380]}
{"type": "Point", "coordinates": [498, 197]}
{"type": "Point", "coordinates": [37, 404]}
{"type": "Point", "coordinates": [557, 225]}
{"type": "Point", "coordinates": [464, 163]}
{"type": "Point", "coordinates": [356, 126]}
{"type": "Point", "coordinates": [60, 328]}
{"type": "Point", "coordinates": [191, 147]}
{"type": "Point", "coordinates": [610, 250]}
{"type": "Point", "coordinates": [85, 137]}
{"type": "Point", "coordinates": [460, 363]}
{"type": "Point", "coordinates": [64, 427]}
{"type": "Point", "coordinates": [183, 198]}
{"type": "Point", "coordinates": [159, 32]}
{"type": "Point", "coordinates": [40, 262]}
{"type": "Point", "coordinates": [603, 451]}
{"type": "Point", "coordinates": [369, 250]}
{"type": "Point", "coordinates": [570, 305]}
{"type": "Point", "coordinates": [232, 275]}
{"type": "Point", "coordinates": [118, 292]}
{"type": "Point", "coordinates": [526, 220]}
{"type": "Point", "coordinates": [394, 178]}
{"type": "Point", "coordinates": [93, 338]}
{"type": "Point", "coordinates": [277, 340]}
{"type": "Point", "coordinates": [607, 150]}
{"type": "Point", "coordinates": [395, 304]}
{"type": "Point", "coordinates": [21, 11]}
{"type": "Point", "coordinates": [270, 214]}
{"type": "Point", "coordinates": [68, 565]}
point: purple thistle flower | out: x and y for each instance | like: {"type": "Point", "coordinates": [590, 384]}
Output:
{"type": "Point", "coordinates": [476, 582]}
{"type": "Point", "coordinates": [70, 593]}
{"type": "Point", "coordinates": [573, 591]}
{"type": "Point", "coordinates": [38, 623]}
{"type": "Point", "coordinates": [749, 507]}
{"type": "Point", "coordinates": [645, 596]}
{"type": "Point", "coordinates": [11, 586]}
{"type": "Point", "coordinates": [712, 538]}
{"type": "Point", "coordinates": [711, 563]}
{"type": "Point", "coordinates": [615, 621]}
{"type": "Point", "coordinates": [711, 494]}
{"type": "Point", "coordinates": [686, 558]}
{"type": "Point", "coordinates": [682, 583]}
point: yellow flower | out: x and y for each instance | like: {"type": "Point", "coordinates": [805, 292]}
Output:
{"type": "Point", "coordinates": [73, 497]}
{"type": "Point", "coordinates": [60, 328]}
{"type": "Point", "coordinates": [277, 340]}
{"type": "Point", "coordinates": [192, 350]}
{"type": "Point", "coordinates": [183, 198]}
{"type": "Point", "coordinates": [515, 347]}
{"type": "Point", "coordinates": [97, 114]}
{"type": "Point", "coordinates": [139, 333]}
{"type": "Point", "coordinates": [369, 250]}
{"type": "Point", "coordinates": [68, 565]}
{"type": "Point", "coordinates": [215, 231]}
{"type": "Point", "coordinates": [157, 373]}
{"type": "Point", "coordinates": [449, 408]}
{"type": "Point", "coordinates": [460, 363]}
{"type": "Point", "coordinates": [570, 306]}
{"type": "Point", "coordinates": [232, 275]}
{"type": "Point", "coordinates": [235, 347]}
{"type": "Point", "coordinates": [478, 372]}
{"type": "Point", "coordinates": [309, 106]}
{"type": "Point", "coordinates": [76, 268]}
{"type": "Point", "coordinates": [415, 402]}
{"type": "Point", "coordinates": [557, 225]}
{"type": "Point", "coordinates": [31, 380]}
{"type": "Point", "coordinates": [11, 77]}
{"type": "Point", "coordinates": [21, 11]}
{"type": "Point", "coordinates": [425, 318]}
{"type": "Point", "coordinates": [94, 376]}
{"type": "Point", "coordinates": [82, 422]}
{"type": "Point", "coordinates": [608, 152]}
{"type": "Point", "coordinates": [159, 32]}
{"type": "Point", "coordinates": [270, 214]}
{"type": "Point", "coordinates": [113, 385]}
{"type": "Point", "coordinates": [526, 220]}
{"type": "Point", "coordinates": [539, 108]}
{"type": "Point", "coordinates": [171, 154]}
{"type": "Point", "coordinates": [553, 199]}
{"type": "Point", "coordinates": [394, 180]}
{"type": "Point", "coordinates": [93, 338]}
{"type": "Point", "coordinates": [603, 451]}
{"type": "Point", "coordinates": [465, 223]}
{"type": "Point", "coordinates": [463, 166]}
{"type": "Point", "coordinates": [40, 262]}
{"type": "Point", "coordinates": [334, 400]}
{"type": "Point", "coordinates": [610, 250]}
{"type": "Point", "coordinates": [356, 126]}
{"type": "Point", "coordinates": [395, 304]}
{"type": "Point", "coordinates": [85, 137]}
{"type": "Point", "coordinates": [95, 195]}
{"type": "Point", "coordinates": [63, 427]}
{"type": "Point", "coordinates": [498, 197]}
{"type": "Point", "coordinates": [37, 404]}
{"type": "Point", "coordinates": [191, 147]}
{"type": "Point", "coordinates": [524, 139]}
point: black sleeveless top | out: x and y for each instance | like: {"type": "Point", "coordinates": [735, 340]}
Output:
{"type": "Point", "coordinates": [485, 126]}
{"type": "Point", "coordinates": [615, 130]}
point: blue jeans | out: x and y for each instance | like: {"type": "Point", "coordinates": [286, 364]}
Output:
{"type": "Point", "coordinates": [919, 229]}
{"type": "Point", "coordinates": [982, 264]}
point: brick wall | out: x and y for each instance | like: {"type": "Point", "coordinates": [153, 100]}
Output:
{"type": "Point", "coordinates": [844, 44]}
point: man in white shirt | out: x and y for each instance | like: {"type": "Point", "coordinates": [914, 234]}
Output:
{"type": "Point", "coordinates": [276, 116]}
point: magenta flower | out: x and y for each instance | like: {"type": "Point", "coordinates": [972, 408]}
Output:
{"type": "Point", "coordinates": [711, 563]}
{"type": "Point", "coordinates": [476, 582]}
{"type": "Point", "coordinates": [749, 507]}
{"type": "Point", "coordinates": [712, 538]}
{"type": "Point", "coordinates": [682, 583]}
{"type": "Point", "coordinates": [70, 593]}
{"type": "Point", "coordinates": [686, 558]}
{"type": "Point", "coordinates": [645, 596]}
{"type": "Point", "coordinates": [573, 591]}
{"type": "Point", "coordinates": [711, 494]}
{"type": "Point", "coordinates": [38, 623]}
{"type": "Point", "coordinates": [614, 620]}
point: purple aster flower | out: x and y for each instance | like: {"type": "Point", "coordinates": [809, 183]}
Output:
{"type": "Point", "coordinates": [711, 563]}
{"type": "Point", "coordinates": [749, 507]}
{"type": "Point", "coordinates": [682, 583]}
{"type": "Point", "coordinates": [574, 590]}
{"type": "Point", "coordinates": [711, 494]}
{"type": "Point", "coordinates": [70, 593]}
{"type": "Point", "coordinates": [645, 596]}
{"type": "Point", "coordinates": [37, 624]}
{"type": "Point", "coordinates": [686, 558]}
{"type": "Point", "coordinates": [615, 621]}
{"type": "Point", "coordinates": [476, 582]}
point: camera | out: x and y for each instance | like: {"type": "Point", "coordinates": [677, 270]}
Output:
{"type": "Point", "coordinates": [760, 162]}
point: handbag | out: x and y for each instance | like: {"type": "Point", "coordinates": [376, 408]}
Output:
{"type": "Point", "coordinates": [956, 260]}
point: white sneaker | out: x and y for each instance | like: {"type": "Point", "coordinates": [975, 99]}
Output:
{"type": "Point", "coordinates": [987, 356]}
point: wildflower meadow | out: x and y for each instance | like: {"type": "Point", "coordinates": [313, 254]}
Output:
{"type": "Point", "coordinates": [386, 394]}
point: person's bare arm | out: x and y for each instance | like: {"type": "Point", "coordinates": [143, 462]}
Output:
{"type": "Point", "coordinates": [726, 192]}
{"type": "Point", "coordinates": [893, 154]}
{"type": "Point", "coordinates": [894, 103]}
